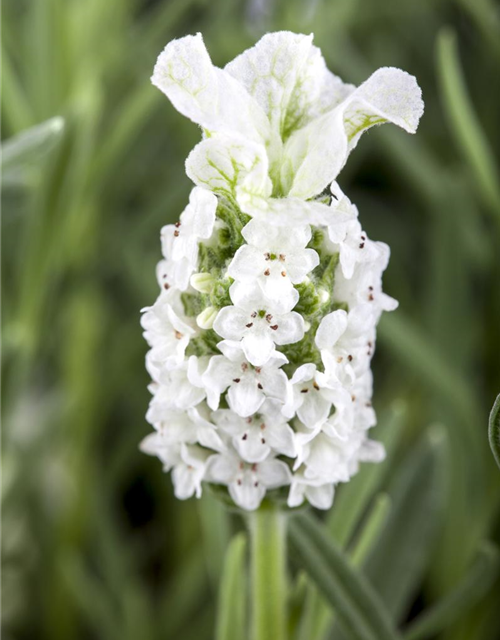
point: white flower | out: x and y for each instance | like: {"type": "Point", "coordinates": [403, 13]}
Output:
{"type": "Point", "coordinates": [174, 428]}
{"type": "Point", "coordinates": [247, 483]}
{"type": "Point", "coordinates": [346, 340]}
{"type": "Point", "coordinates": [256, 436]}
{"type": "Point", "coordinates": [171, 274]}
{"type": "Point", "coordinates": [309, 396]}
{"type": "Point", "coordinates": [180, 240]}
{"type": "Point", "coordinates": [187, 461]}
{"type": "Point", "coordinates": [365, 285]}
{"type": "Point", "coordinates": [175, 389]}
{"type": "Point", "coordinates": [301, 488]}
{"type": "Point", "coordinates": [260, 323]}
{"type": "Point", "coordinates": [166, 332]}
{"type": "Point", "coordinates": [249, 386]}
{"type": "Point", "coordinates": [275, 258]}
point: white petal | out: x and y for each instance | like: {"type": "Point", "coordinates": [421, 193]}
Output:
{"type": "Point", "coordinates": [250, 446]}
{"type": "Point", "coordinates": [205, 94]}
{"type": "Point", "coordinates": [314, 410]}
{"type": "Point", "coordinates": [300, 264]}
{"type": "Point", "coordinates": [222, 468]}
{"type": "Point", "coordinates": [258, 347]}
{"type": "Point", "coordinates": [247, 495]}
{"type": "Point", "coordinates": [246, 264]}
{"type": "Point", "coordinates": [244, 397]}
{"type": "Point", "coordinates": [290, 328]}
{"type": "Point", "coordinates": [230, 166]}
{"type": "Point", "coordinates": [230, 323]}
{"type": "Point", "coordinates": [273, 473]}
{"type": "Point", "coordinates": [274, 382]}
{"type": "Point", "coordinates": [204, 206]}
{"type": "Point", "coordinates": [331, 327]}
{"type": "Point", "coordinates": [389, 95]}
{"type": "Point", "coordinates": [270, 71]}
{"type": "Point", "coordinates": [296, 494]}
{"type": "Point", "coordinates": [151, 444]}
{"type": "Point", "coordinates": [314, 155]}
{"type": "Point", "coordinates": [291, 211]}
{"type": "Point", "coordinates": [280, 438]}
{"type": "Point", "coordinates": [321, 497]}
{"type": "Point", "coordinates": [217, 378]}
{"type": "Point", "coordinates": [304, 373]}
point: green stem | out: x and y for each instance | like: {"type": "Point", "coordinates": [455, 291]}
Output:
{"type": "Point", "coordinates": [268, 568]}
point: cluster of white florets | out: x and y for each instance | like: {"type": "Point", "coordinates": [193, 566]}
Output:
{"type": "Point", "coordinates": [263, 333]}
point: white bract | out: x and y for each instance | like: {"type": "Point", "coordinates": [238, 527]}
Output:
{"type": "Point", "coordinates": [263, 333]}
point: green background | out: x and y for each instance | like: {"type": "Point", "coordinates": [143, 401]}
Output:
{"type": "Point", "coordinates": [94, 543]}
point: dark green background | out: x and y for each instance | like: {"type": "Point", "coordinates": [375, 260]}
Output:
{"type": "Point", "coordinates": [94, 544]}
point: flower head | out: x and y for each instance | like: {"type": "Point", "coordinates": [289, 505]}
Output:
{"type": "Point", "coordinates": [263, 333]}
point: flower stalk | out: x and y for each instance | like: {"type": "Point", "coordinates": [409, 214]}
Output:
{"type": "Point", "coordinates": [267, 527]}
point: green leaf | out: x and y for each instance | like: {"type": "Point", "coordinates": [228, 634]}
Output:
{"type": "Point", "coordinates": [464, 123]}
{"type": "Point", "coordinates": [494, 430]}
{"type": "Point", "coordinates": [375, 523]}
{"type": "Point", "coordinates": [470, 591]}
{"type": "Point", "coordinates": [231, 619]}
{"type": "Point", "coordinates": [358, 607]}
{"type": "Point", "coordinates": [25, 151]}
{"type": "Point", "coordinates": [397, 563]}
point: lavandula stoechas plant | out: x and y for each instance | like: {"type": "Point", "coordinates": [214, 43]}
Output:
{"type": "Point", "coordinates": [263, 333]}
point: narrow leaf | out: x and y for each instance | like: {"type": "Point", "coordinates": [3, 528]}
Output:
{"type": "Point", "coordinates": [397, 563]}
{"type": "Point", "coordinates": [359, 609]}
{"type": "Point", "coordinates": [470, 591]}
{"type": "Point", "coordinates": [465, 125]}
{"type": "Point", "coordinates": [25, 151]}
{"type": "Point", "coordinates": [494, 430]}
{"type": "Point", "coordinates": [232, 594]}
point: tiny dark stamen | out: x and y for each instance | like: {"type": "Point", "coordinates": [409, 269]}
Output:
{"type": "Point", "coordinates": [304, 390]}
{"type": "Point", "coordinates": [245, 436]}
{"type": "Point", "coordinates": [267, 272]}
{"type": "Point", "coordinates": [274, 327]}
{"type": "Point", "coordinates": [259, 386]}
{"type": "Point", "coordinates": [236, 380]}
{"type": "Point", "coordinates": [361, 246]}
{"type": "Point", "coordinates": [250, 324]}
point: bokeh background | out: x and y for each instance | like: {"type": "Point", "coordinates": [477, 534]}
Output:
{"type": "Point", "coordinates": [94, 544]}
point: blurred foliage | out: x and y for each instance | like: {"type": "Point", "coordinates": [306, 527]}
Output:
{"type": "Point", "coordinates": [94, 544]}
